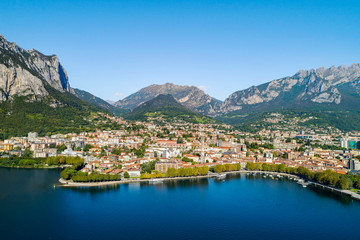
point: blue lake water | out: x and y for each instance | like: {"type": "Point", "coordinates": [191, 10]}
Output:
{"type": "Point", "coordinates": [240, 207]}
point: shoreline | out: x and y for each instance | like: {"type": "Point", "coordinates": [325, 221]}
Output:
{"type": "Point", "coordinates": [65, 183]}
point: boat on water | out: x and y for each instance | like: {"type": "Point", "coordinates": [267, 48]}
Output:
{"type": "Point", "coordinates": [221, 176]}
{"type": "Point", "coordinates": [303, 183]}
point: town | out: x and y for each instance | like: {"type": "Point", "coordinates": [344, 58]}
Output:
{"type": "Point", "coordinates": [138, 149]}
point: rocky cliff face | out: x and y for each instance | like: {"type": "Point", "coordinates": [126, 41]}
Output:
{"type": "Point", "coordinates": [189, 96]}
{"type": "Point", "coordinates": [317, 86]}
{"type": "Point", "coordinates": [26, 72]}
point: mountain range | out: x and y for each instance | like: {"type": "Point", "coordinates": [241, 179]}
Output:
{"type": "Point", "coordinates": [331, 95]}
{"type": "Point", "coordinates": [30, 78]}
{"type": "Point", "coordinates": [333, 87]}
{"type": "Point", "coordinates": [320, 87]}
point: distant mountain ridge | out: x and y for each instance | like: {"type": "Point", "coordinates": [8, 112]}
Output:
{"type": "Point", "coordinates": [189, 96]}
{"type": "Point", "coordinates": [322, 91]}
{"type": "Point", "coordinates": [90, 98]}
{"type": "Point", "coordinates": [323, 86]}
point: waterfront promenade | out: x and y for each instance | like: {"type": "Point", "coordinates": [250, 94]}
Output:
{"type": "Point", "coordinates": [65, 183]}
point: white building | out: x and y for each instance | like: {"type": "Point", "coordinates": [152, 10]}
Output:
{"type": "Point", "coordinates": [32, 136]}
{"type": "Point", "coordinates": [134, 172]}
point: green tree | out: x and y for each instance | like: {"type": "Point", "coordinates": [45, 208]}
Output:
{"type": "Point", "coordinates": [265, 167]}
{"type": "Point", "coordinates": [281, 168]}
{"type": "Point", "coordinates": [126, 175]}
{"type": "Point", "coordinates": [186, 159]}
{"type": "Point", "coordinates": [250, 166]}
{"type": "Point", "coordinates": [227, 167]}
{"type": "Point", "coordinates": [237, 166]}
{"type": "Point", "coordinates": [204, 170]}
{"type": "Point", "coordinates": [87, 147]}
{"type": "Point", "coordinates": [196, 171]}
{"type": "Point", "coordinates": [171, 172]}
{"type": "Point", "coordinates": [343, 183]}
{"type": "Point", "coordinates": [28, 153]}
{"type": "Point", "coordinates": [219, 168]}
{"type": "Point", "coordinates": [60, 148]}
{"type": "Point", "coordinates": [148, 167]}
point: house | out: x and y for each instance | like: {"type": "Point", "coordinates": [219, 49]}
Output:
{"type": "Point", "coordinates": [164, 166]}
{"type": "Point", "coordinates": [16, 152]}
{"type": "Point", "coordinates": [134, 172]}
{"type": "Point", "coordinates": [39, 154]}
{"type": "Point", "coordinates": [117, 171]}
{"type": "Point", "coordinates": [8, 147]}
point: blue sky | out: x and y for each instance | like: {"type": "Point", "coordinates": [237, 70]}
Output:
{"type": "Point", "coordinates": [114, 48]}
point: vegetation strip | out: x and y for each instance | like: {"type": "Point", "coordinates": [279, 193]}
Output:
{"type": "Point", "coordinates": [69, 183]}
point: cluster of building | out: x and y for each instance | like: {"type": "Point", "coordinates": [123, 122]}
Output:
{"type": "Point", "coordinates": [178, 145]}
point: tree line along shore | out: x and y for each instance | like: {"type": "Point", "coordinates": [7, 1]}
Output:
{"type": "Point", "coordinates": [215, 171]}
{"type": "Point", "coordinates": [328, 177]}
{"type": "Point", "coordinates": [75, 164]}
{"type": "Point", "coordinates": [49, 162]}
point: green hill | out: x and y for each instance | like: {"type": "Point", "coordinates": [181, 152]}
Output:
{"type": "Point", "coordinates": [18, 116]}
{"type": "Point", "coordinates": [168, 108]}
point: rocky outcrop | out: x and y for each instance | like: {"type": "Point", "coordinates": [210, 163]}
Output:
{"type": "Point", "coordinates": [26, 72]}
{"type": "Point", "coordinates": [189, 96]}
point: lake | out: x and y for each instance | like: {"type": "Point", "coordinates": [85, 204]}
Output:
{"type": "Point", "coordinates": [239, 207]}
